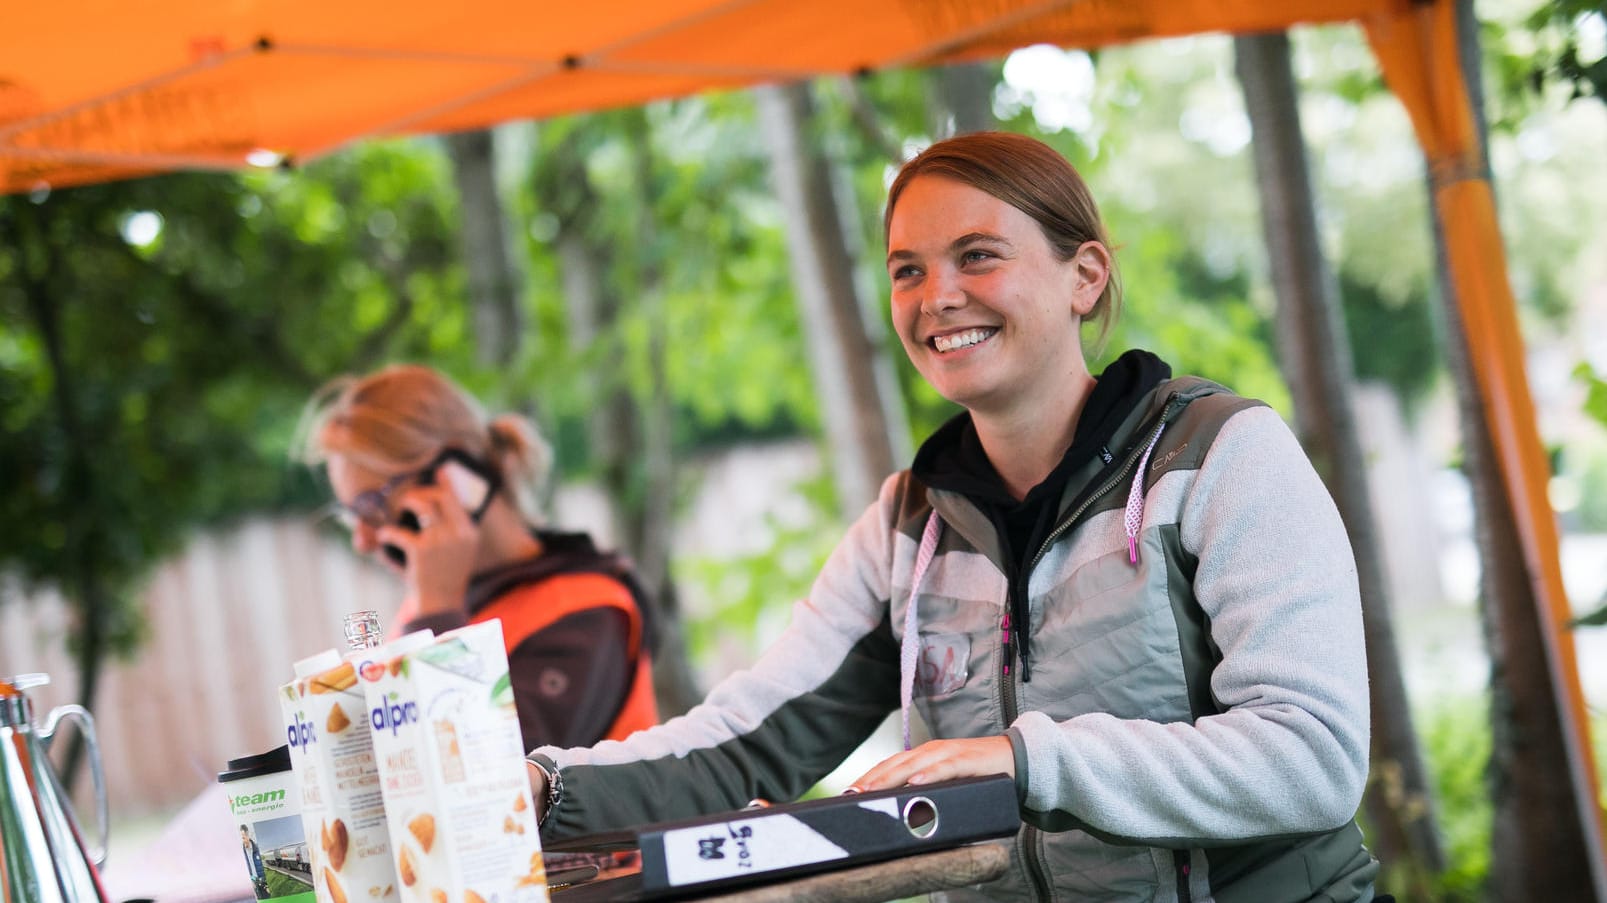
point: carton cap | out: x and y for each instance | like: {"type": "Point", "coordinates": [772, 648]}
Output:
{"type": "Point", "coordinates": [317, 664]}
{"type": "Point", "coordinates": [271, 762]}
{"type": "Point", "coordinates": [406, 643]}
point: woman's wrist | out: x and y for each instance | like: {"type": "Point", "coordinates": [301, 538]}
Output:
{"type": "Point", "coordinates": [437, 603]}
{"type": "Point", "coordinates": [546, 785]}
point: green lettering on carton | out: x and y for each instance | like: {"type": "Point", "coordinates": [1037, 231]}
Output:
{"type": "Point", "coordinates": [256, 799]}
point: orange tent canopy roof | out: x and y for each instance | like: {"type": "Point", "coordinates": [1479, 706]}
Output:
{"type": "Point", "coordinates": [93, 90]}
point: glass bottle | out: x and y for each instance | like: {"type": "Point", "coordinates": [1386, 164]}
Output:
{"type": "Point", "coordinates": [362, 630]}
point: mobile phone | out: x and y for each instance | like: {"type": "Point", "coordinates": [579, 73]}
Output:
{"type": "Point", "coordinates": [471, 481]}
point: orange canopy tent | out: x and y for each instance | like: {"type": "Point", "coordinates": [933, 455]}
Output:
{"type": "Point", "coordinates": [92, 90]}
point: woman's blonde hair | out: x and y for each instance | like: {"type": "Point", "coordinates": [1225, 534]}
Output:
{"type": "Point", "coordinates": [1032, 177]}
{"type": "Point", "coordinates": [399, 418]}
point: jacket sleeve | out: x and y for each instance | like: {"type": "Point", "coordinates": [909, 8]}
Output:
{"type": "Point", "coordinates": [1287, 754]}
{"type": "Point", "coordinates": [770, 731]}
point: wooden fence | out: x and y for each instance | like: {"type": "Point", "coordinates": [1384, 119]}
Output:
{"type": "Point", "coordinates": [225, 621]}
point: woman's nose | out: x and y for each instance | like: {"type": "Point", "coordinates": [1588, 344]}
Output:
{"type": "Point", "coordinates": [943, 293]}
{"type": "Point", "coordinates": [363, 538]}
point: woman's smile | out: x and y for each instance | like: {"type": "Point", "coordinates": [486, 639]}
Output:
{"type": "Point", "coordinates": [953, 342]}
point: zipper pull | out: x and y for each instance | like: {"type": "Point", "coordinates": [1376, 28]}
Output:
{"type": "Point", "coordinates": [1004, 639]}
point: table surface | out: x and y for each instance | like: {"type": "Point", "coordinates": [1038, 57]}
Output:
{"type": "Point", "coordinates": [895, 879]}
{"type": "Point", "coordinates": [197, 860]}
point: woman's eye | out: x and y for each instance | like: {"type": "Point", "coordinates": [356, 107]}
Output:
{"type": "Point", "coordinates": [974, 255]}
{"type": "Point", "coordinates": [904, 272]}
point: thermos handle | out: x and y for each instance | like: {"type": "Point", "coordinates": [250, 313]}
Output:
{"type": "Point", "coordinates": [86, 727]}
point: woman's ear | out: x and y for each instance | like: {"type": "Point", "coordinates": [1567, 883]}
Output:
{"type": "Point", "coordinates": [1090, 274]}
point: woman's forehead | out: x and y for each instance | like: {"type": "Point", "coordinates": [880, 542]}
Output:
{"type": "Point", "coordinates": [938, 209]}
{"type": "Point", "coordinates": [357, 473]}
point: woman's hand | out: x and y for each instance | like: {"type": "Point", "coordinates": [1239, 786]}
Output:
{"type": "Point", "coordinates": [441, 554]}
{"type": "Point", "coordinates": [940, 760]}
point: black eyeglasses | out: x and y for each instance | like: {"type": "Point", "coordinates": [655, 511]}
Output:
{"type": "Point", "coordinates": [373, 506]}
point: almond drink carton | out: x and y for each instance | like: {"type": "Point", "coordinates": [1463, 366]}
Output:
{"type": "Point", "coordinates": [451, 764]}
{"type": "Point", "coordinates": [347, 835]}
{"type": "Point", "coordinates": [308, 783]}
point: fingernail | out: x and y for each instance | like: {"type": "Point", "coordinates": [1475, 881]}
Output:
{"type": "Point", "coordinates": [850, 791]}
{"type": "Point", "coordinates": [917, 778]}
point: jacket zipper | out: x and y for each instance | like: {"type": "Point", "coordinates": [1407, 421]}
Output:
{"type": "Point", "coordinates": [1029, 834]}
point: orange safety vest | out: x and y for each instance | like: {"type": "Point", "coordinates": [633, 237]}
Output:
{"type": "Point", "coordinates": [532, 607]}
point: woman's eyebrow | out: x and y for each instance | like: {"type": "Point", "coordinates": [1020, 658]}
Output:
{"type": "Point", "coordinates": [969, 238]}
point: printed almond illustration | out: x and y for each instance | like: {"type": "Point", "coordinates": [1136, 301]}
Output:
{"type": "Point", "coordinates": [337, 720]}
{"type": "Point", "coordinates": [519, 803]}
{"type": "Point", "coordinates": [404, 868]}
{"type": "Point", "coordinates": [337, 894]}
{"type": "Point", "coordinates": [339, 843]}
{"type": "Point", "coordinates": [423, 829]}
{"type": "Point", "coordinates": [344, 679]}
{"type": "Point", "coordinates": [470, 896]}
{"type": "Point", "coordinates": [437, 895]}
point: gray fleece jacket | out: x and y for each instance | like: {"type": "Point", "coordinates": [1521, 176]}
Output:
{"type": "Point", "coordinates": [1196, 723]}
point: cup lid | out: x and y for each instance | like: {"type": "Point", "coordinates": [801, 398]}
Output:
{"type": "Point", "coordinates": [271, 762]}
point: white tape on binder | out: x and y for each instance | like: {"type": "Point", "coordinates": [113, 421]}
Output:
{"type": "Point", "coordinates": [746, 847]}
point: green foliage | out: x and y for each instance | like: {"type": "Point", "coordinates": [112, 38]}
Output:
{"type": "Point", "coordinates": [748, 592]}
{"type": "Point", "coordinates": [1562, 57]}
{"type": "Point", "coordinates": [283, 885]}
{"type": "Point", "coordinates": [162, 335]}
{"type": "Point", "coordinates": [1596, 389]}
{"type": "Point", "coordinates": [1590, 466]}
{"type": "Point", "coordinates": [1456, 742]}
{"type": "Point", "coordinates": [1392, 342]}
{"type": "Point", "coordinates": [679, 191]}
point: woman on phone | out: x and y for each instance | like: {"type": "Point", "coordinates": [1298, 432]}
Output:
{"type": "Point", "coordinates": [445, 498]}
{"type": "Point", "coordinates": [1131, 593]}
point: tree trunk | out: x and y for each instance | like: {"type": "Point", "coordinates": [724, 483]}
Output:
{"type": "Point", "coordinates": [962, 99]}
{"type": "Point", "coordinates": [494, 282]}
{"type": "Point", "coordinates": [88, 595]}
{"type": "Point", "coordinates": [1314, 356]}
{"type": "Point", "coordinates": [860, 407]}
{"type": "Point", "coordinates": [1539, 849]}
{"type": "Point", "coordinates": [654, 514]}
{"type": "Point", "coordinates": [630, 437]}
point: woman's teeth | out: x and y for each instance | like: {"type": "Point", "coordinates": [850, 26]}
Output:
{"type": "Point", "coordinates": [958, 340]}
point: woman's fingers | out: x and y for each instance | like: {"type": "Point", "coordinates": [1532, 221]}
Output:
{"type": "Point", "coordinates": [940, 760]}
{"type": "Point", "coordinates": [436, 506]}
{"type": "Point", "coordinates": [441, 554]}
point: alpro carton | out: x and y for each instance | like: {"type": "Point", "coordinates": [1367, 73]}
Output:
{"type": "Point", "coordinates": [309, 786]}
{"type": "Point", "coordinates": [451, 764]}
{"type": "Point", "coordinates": [347, 833]}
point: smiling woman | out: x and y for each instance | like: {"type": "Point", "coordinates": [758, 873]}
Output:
{"type": "Point", "coordinates": [1131, 593]}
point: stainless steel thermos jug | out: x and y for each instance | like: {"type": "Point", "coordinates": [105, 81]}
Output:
{"type": "Point", "coordinates": [43, 858]}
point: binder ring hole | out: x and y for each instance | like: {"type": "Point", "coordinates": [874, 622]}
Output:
{"type": "Point", "coordinates": [920, 817]}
